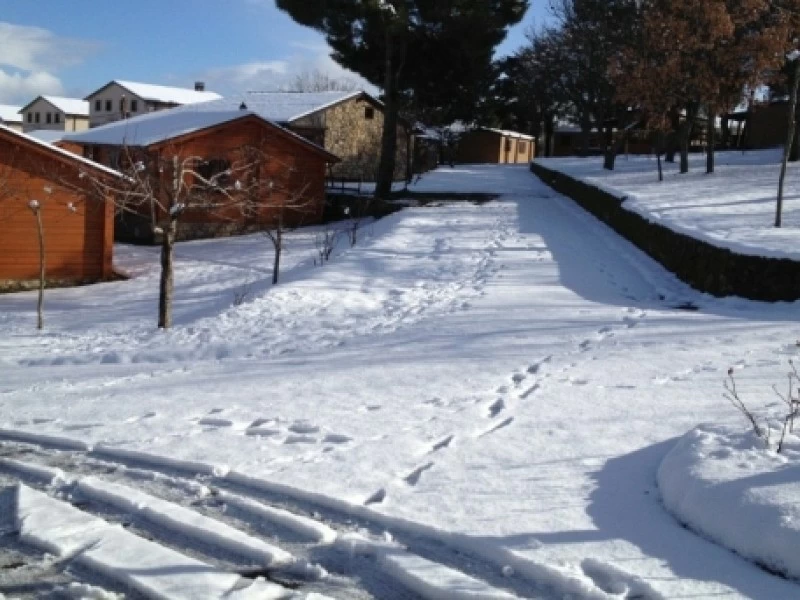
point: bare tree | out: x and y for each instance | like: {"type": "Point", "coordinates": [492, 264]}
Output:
{"type": "Point", "coordinates": [317, 81]}
{"type": "Point", "coordinates": [169, 186]}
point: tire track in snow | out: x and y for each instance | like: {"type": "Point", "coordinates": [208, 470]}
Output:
{"type": "Point", "coordinates": [357, 554]}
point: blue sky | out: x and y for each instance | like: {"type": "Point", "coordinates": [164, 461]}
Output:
{"type": "Point", "coordinates": [72, 47]}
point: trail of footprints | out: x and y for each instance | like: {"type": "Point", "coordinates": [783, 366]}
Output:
{"type": "Point", "coordinates": [335, 550]}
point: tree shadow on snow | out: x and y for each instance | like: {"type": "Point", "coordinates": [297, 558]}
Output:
{"type": "Point", "coordinates": [626, 505]}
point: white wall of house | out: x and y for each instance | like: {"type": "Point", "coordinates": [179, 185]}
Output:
{"type": "Point", "coordinates": [116, 103]}
{"type": "Point", "coordinates": [43, 115]}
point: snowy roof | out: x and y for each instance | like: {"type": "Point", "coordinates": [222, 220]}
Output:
{"type": "Point", "coordinates": [10, 113]}
{"type": "Point", "coordinates": [49, 136]}
{"type": "Point", "coordinates": [61, 151]}
{"type": "Point", "coordinates": [507, 133]}
{"type": "Point", "coordinates": [153, 128]}
{"type": "Point", "coordinates": [69, 106]}
{"type": "Point", "coordinates": [161, 93]}
{"type": "Point", "coordinates": [281, 107]}
{"type": "Point", "coordinates": [159, 126]}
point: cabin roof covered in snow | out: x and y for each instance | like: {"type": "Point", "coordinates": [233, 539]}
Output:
{"type": "Point", "coordinates": [59, 151]}
{"type": "Point", "coordinates": [507, 133]}
{"type": "Point", "coordinates": [161, 126]}
{"type": "Point", "coordinates": [160, 93]}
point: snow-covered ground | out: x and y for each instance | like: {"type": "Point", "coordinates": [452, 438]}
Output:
{"type": "Point", "coordinates": [473, 402]}
{"type": "Point", "coordinates": [733, 208]}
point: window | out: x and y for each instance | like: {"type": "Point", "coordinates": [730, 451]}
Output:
{"type": "Point", "coordinates": [108, 105]}
{"type": "Point", "coordinates": [122, 105]}
{"type": "Point", "coordinates": [522, 147]}
{"type": "Point", "coordinates": [369, 113]}
{"type": "Point", "coordinates": [37, 118]}
{"type": "Point", "coordinates": [134, 105]}
{"type": "Point", "coordinates": [49, 118]}
{"type": "Point", "coordinates": [98, 105]}
{"type": "Point", "coordinates": [57, 118]}
{"type": "Point", "coordinates": [30, 117]}
{"type": "Point", "coordinates": [212, 168]}
{"type": "Point", "coordinates": [508, 145]}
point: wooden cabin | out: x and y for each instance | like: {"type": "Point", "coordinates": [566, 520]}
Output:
{"type": "Point", "coordinates": [294, 167]}
{"type": "Point", "coordinates": [495, 146]}
{"type": "Point", "coordinates": [77, 223]}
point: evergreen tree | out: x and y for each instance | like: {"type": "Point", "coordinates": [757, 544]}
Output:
{"type": "Point", "coordinates": [433, 54]}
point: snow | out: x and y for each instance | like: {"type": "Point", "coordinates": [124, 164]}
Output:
{"type": "Point", "coordinates": [69, 106]}
{"type": "Point", "coordinates": [281, 107]}
{"type": "Point", "coordinates": [722, 483]}
{"type": "Point", "coordinates": [733, 208]}
{"type": "Point", "coordinates": [152, 128]}
{"type": "Point", "coordinates": [493, 387]}
{"type": "Point", "coordinates": [49, 136]}
{"type": "Point", "coordinates": [61, 151]}
{"type": "Point", "coordinates": [163, 93]}
{"type": "Point", "coordinates": [182, 521]}
{"type": "Point", "coordinates": [10, 113]}
{"type": "Point", "coordinates": [149, 568]}
{"type": "Point", "coordinates": [514, 134]}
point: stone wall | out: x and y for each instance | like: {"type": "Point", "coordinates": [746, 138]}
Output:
{"type": "Point", "coordinates": [705, 267]}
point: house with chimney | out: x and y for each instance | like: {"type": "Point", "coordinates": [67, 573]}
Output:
{"type": "Point", "coordinates": [119, 100]}
{"type": "Point", "coordinates": [347, 124]}
{"type": "Point", "coordinates": [291, 168]}
{"type": "Point", "coordinates": [55, 113]}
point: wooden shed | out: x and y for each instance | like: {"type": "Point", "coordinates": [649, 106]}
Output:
{"type": "Point", "coordinates": [77, 222]}
{"type": "Point", "coordinates": [496, 146]}
{"type": "Point", "coordinates": [295, 167]}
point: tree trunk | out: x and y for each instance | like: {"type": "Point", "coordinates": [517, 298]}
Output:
{"type": "Point", "coordinates": [711, 140]}
{"type": "Point", "coordinates": [383, 187]}
{"type": "Point", "coordinates": [167, 281]}
{"type": "Point", "coordinates": [685, 134]}
{"type": "Point", "coordinates": [278, 243]}
{"type": "Point", "coordinates": [549, 130]}
{"type": "Point", "coordinates": [40, 301]}
{"type": "Point", "coordinates": [791, 125]}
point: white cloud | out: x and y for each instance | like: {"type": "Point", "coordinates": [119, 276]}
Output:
{"type": "Point", "coordinates": [278, 74]}
{"type": "Point", "coordinates": [36, 49]}
{"type": "Point", "coordinates": [31, 56]}
{"type": "Point", "coordinates": [20, 88]}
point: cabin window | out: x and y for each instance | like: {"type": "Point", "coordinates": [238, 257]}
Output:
{"type": "Point", "coordinates": [369, 113]}
{"type": "Point", "coordinates": [57, 118]}
{"type": "Point", "coordinates": [37, 118]}
{"type": "Point", "coordinates": [213, 168]}
{"type": "Point", "coordinates": [49, 118]}
{"type": "Point", "coordinates": [134, 105]}
{"type": "Point", "coordinates": [508, 145]}
{"type": "Point", "coordinates": [108, 105]}
{"type": "Point", "coordinates": [30, 117]}
{"type": "Point", "coordinates": [522, 147]}
{"type": "Point", "coordinates": [98, 105]}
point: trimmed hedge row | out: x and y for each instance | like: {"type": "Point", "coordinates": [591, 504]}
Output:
{"type": "Point", "coordinates": [707, 268]}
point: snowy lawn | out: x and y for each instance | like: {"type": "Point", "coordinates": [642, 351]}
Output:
{"type": "Point", "coordinates": [484, 393]}
{"type": "Point", "coordinates": [732, 208]}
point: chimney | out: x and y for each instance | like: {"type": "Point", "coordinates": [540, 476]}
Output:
{"type": "Point", "coordinates": [199, 86]}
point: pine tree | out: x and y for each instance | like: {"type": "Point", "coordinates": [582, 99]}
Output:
{"type": "Point", "coordinates": [433, 54]}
